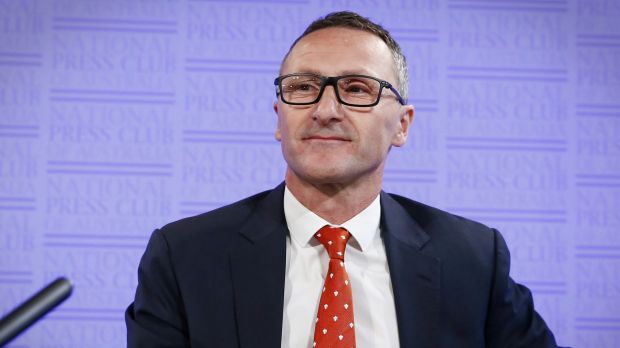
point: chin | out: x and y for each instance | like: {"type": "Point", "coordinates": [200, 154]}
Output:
{"type": "Point", "coordinates": [328, 176]}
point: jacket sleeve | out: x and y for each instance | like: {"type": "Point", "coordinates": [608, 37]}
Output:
{"type": "Point", "coordinates": [512, 320]}
{"type": "Point", "coordinates": [156, 317]}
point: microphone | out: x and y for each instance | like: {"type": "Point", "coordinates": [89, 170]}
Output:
{"type": "Point", "coordinates": [34, 308]}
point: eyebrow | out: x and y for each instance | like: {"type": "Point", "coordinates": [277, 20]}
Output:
{"type": "Point", "coordinates": [346, 72]}
{"type": "Point", "coordinates": [357, 72]}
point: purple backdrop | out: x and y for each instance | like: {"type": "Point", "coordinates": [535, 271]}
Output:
{"type": "Point", "coordinates": [117, 116]}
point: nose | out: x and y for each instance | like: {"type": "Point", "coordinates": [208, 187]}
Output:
{"type": "Point", "coordinates": [328, 109]}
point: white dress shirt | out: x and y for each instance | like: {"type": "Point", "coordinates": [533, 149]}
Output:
{"type": "Point", "coordinates": [366, 264]}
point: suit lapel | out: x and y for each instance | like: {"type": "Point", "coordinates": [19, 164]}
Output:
{"type": "Point", "coordinates": [415, 275]}
{"type": "Point", "coordinates": [258, 268]}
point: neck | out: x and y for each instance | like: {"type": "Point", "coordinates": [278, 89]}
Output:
{"type": "Point", "coordinates": [334, 202]}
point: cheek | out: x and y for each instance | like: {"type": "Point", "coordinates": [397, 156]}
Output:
{"type": "Point", "coordinates": [382, 135]}
{"type": "Point", "coordinates": [283, 126]}
{"type": "Point", "coordinates": [288, 134]}
{"type": "Point", "coordinates": [290, 123]}
{"type": "Point", "coordinates": [387, 130]}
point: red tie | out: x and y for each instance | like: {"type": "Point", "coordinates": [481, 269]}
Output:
{"type": "Point", "coordinates": [334, 321]}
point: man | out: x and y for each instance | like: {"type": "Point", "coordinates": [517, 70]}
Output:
{"type": "Point", "coordinates": [328, 259]}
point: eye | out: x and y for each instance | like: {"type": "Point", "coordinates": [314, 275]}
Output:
{"type": "Point", "coordinates": [357, 86]}
{"type": "Point", "coordinates": [301, 85]}
{"type": "Point", "coordinates": [304, 87]}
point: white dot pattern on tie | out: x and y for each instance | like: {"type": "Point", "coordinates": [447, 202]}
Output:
{"type": "Point", "coordinates": [334, 323]}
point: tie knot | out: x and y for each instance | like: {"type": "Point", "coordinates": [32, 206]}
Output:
{"type": "Point", "coordinates": [334, 239]}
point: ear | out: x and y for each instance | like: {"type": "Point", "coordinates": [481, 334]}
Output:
{"type": "Point", "coordinates": [406, 117]}
{"type": "Point", "coordinates": [278, 134]}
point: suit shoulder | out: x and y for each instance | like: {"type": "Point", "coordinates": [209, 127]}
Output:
{"type": "Point", "coordinates": [459, 242]}
{"type": "Point", "coordinates": [218, 221]}
{"type": "Point", "coordinates": [435, 219]}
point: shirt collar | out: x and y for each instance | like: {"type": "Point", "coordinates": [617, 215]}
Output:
{"type": "Point", "coordinates": [303, 223]}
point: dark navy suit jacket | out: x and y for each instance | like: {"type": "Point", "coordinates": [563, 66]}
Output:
{"type": "Point", "coordinates": [217, 280]}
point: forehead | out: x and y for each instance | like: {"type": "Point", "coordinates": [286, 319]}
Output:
{"type": "Point", "coordinates": [337, 51]}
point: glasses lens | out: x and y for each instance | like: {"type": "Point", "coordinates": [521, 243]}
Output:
{"type": "Point", "coordinates": [358, 90]}
{"type": "Point", "coordinates": [300, 88]}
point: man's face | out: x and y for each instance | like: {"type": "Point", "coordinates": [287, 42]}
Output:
{"type": "Point", "coordinates": [330, 143]}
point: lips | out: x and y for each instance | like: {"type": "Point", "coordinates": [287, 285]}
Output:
{"type": "Point", "coordinates": [323, 137]}
{"type": "Point", "coordinates": [326, 139]}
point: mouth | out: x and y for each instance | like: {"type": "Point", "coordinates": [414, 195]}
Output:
{"type": "Point", "coordinates": [325, 139]}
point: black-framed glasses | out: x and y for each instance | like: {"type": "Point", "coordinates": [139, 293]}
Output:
{"type": "Point", "coordinates": [352, 90]}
